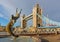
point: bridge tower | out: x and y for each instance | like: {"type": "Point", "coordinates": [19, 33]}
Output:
{"type": "Point", "coordinates": [37, 22]}
{"type": "Point", "coordinates": [23, 22]}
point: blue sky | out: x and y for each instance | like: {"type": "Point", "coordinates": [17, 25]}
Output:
{"type": "Point", "coordinates": [8, 7]}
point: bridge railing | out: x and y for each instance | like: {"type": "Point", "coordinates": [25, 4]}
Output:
{"type": "Point", "coordinates": [37, 32]}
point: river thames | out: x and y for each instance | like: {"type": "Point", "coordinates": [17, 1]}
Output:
{"type": "Point", "coordinates": [19, 39]}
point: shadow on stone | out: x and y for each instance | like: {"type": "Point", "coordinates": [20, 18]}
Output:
{"type": "Point", "coordinates": [44, 40]}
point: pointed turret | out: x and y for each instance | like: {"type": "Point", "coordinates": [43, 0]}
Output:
{"type": "Point", "coordinates": [37, 22]}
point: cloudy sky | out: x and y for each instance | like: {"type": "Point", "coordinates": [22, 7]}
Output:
{"type": "Point", "coordinates": [8, 7]}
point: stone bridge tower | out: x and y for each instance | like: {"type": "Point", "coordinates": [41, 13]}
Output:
{"type": "Point", "coordinates": [37, 22]}
{"type": "Point", "coordinates": [23, 22]}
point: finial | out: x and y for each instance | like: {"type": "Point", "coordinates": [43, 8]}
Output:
{"type": "Point", "coordinates": [23, 15]}
{"type": "Point", "coordinates": [37, 2]}
{"type": "Point", "coordinates": [37, 5]}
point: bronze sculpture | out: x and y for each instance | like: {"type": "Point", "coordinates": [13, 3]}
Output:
{"type": "Point", "coordinates": [11, 23]}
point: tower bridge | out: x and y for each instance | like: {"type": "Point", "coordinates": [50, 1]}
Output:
{"type": "Point", "coordinates": [38, 18]}
{"type": "Point", "coordinates": [38, 28]}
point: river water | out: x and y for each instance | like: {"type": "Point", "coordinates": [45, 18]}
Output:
{"type": "Point", "coordinates": [20, 39]}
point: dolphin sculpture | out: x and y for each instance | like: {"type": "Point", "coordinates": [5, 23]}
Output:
{"type": "Point", "coordinates": [11, 23]}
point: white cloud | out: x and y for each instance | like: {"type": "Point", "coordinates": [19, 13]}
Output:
{"type": "Point", "coordinates": [1, 15]}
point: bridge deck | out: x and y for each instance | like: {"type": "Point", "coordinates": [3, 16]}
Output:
{"type": "Point", "coordinates": [6, 35]}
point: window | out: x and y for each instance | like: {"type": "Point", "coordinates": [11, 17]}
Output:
{"type": "Point", "coordinates": [38, 25]}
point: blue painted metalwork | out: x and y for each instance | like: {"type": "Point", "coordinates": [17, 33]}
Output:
{"type": "Point", "coordinates": [49, 22]}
